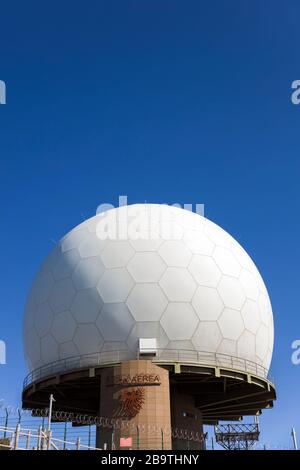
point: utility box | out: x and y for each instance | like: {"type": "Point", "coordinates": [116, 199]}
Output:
{"type": "Point", "coordinates": [147, 347]}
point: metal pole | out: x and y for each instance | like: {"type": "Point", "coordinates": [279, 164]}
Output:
{"type": "Point", "coordinates": [294, 439]}
{"type": "Point", "coordinates": [65, 435]}
{"type": "Point", "coordinates": [39, 438]}
{"type": "Point", "coordinates": [162, 438]}
{"type": "Point", "coordinates": [6, 422]}
{"type": "Point", "coordinates": [113, 440]}
{"type": "Point", "coordinates": [49, 440]}
{"type": "Point", "coordinates": [256, 420]}
{"type": "Point", "coordinates": [137, 438]}
{"type": "Point", "coordinates": [89, 443]}
{"type": "Point", "coordinates": [28, 440]}
{"type": "Point", "coordinates": [17, 433]}
{"type": "Point", "coordinates": [19, 413]}
{"type": "Point", "coordinates": [51, 400]}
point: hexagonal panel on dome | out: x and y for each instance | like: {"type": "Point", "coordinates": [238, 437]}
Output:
{"type": "Point", "coordinates": [260, 282]}
{"type": "Point", "coordinates": [43, 319]}
{"type": "Point", "coordinates": [88, 339]}
{"type": "Point", "coordinates": [146, 267]}
{"type": "Point", "coordinates": [116, 254]}
{"type": "Point", "coordinates": [91, 246]}
{"type": "Point", "coordinates": [246, 345]}
{"type": "Point", "coordinates": [170, 230]}
{"type": "Point", "coordinates": [88, 273]}
{"type": "Point", "coordinates": [73, 238]}
{"type": "Point", "coordinates": [231, 324]}
{"type": "Point", "coordinates": [231, 292]}
{"type": "Point", "coordinates": [33, 347]}
{"type": "Point", "coordinates": [251, 317]}
{"type": "Point", "coordinates": [115, 322]}
{"type": "Point", "coordinates": [205, 270]}
{"type": "Point", "coordinates": [175, 253]}
{"type": "Point", "coordinates": [68, 349]}
{"type": "Point", "coordinates": [207, 303]}
{"type": "Point", "coordinates": [249, 284]}
{"type": "Point", "coordinates": [265, 309]}
{"type": "Point", "coordinates": [180, 345]}
{"type": "Point", "coordinates": [63, 327]}
{"type": "Point", "coordinates": [267, 359]}
{"type": "Point", "coordinates": [64, 263]}
{"type": "Point", "coordinates": [241, 256]}
{"type": "Point", "coordinates": [43, 284]}
{"type": "Point", "coordinates": [179, 321]}
{"type": "Point", "coordinates": [217, 234]}
{"type": "Point", "coordinates": [62, 295]}
{"type": "Point", "coordinates": [93, 222]}
{"type": "Point", "coordinates": [226, 261]}
{"type": "Point", "coordinates": [228, 347]}
{"type": "Point", "coordinates": [86, 305]}
{"type": "Point", "coordinates": [188, 219]}
{"type": "Point", "coordinates": [147, 242]}
{"type": "Point", "coordinates": [119, 346]}
{"type": "Point", "coordinates": [49, 349]}
{"type": "Point", "coordinates": [115, 285]}
{"type": "Point", "coordinates": [207, 337]}
{"type": "Point", "coordinates": [178, 284]}
{"type": "Point", "coordinates": [146, 302]}
{"type": "Point", "coordinates": [29, 315]}
{"type": "Point", "coordinates": [271, 335]}
{"type": "Point", "coordinates": [147, 330]}
{"type": "Point", "coordinates": [198, 242]}
{"type": "Point", "coordinates": [262, 342]}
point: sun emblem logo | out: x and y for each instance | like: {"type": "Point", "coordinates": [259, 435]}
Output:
{"type": "Point", "coordinates": [130, 402]}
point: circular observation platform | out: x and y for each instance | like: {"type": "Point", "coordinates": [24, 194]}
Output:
{"type": "Point", "coordinates": [224, 387]}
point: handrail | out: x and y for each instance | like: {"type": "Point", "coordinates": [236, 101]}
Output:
{"type": "Point", "coordinates": [161, 356]}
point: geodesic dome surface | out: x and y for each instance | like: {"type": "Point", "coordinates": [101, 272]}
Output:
{"type": "Point", "coordinates": [147, 271]}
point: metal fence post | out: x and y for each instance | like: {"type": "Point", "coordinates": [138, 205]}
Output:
{"type": "Point", "coordinates": [137, 438]}
{"type": "Point", "coordinates": [78, 443]}
{"type": "Point", "coordinates": [65, 435]}
{"type": "Point", "coordinates": [49, 438]}
{"type": "Point", "coordinates": [19, 416]}
{"type": "Point", "coordinates": [28, 440]}
{"type": "Point", "coordinates": [6, 422]}
{"type": "Point", "coordinates": [89, 442]}
{"type": "Point", "coordinates": [39, 438]}
{"type": "Point", "coordinates": [16, 440]}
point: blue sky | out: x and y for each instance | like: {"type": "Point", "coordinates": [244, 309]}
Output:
{"type": "Point", "coordinates": [165, 102]}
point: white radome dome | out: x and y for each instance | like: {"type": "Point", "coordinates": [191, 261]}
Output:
{"type": "Point", "coordinates": [163, 273]}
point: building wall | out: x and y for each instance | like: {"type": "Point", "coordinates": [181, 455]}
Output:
{"type": "Point", "coordinates": [185, 416]}
{"type": "Point", "coordinates": [137, 394]}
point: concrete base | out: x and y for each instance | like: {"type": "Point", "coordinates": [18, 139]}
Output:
{"type": "Point", "coordinates": [137, 395]}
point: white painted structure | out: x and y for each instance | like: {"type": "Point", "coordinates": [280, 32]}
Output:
{"type": "Point", "coordinates": [148, 271]}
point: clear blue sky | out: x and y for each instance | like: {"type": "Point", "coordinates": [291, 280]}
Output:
{"type": "Point", "coordinates": [165, 101]}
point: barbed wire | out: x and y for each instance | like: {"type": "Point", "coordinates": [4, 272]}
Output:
{"type": "Point", "coordinates": [120, 424]}
{"type": "Point", "coordinates": [105, 422]}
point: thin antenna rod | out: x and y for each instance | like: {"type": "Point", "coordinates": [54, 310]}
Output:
{"type": "Point", "coordinates": [294, 439]}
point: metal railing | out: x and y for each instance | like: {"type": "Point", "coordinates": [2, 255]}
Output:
{"type": "Point", "coordinates": [161, 356]}
{"type": "Point", "coordinates": [37, 439]}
